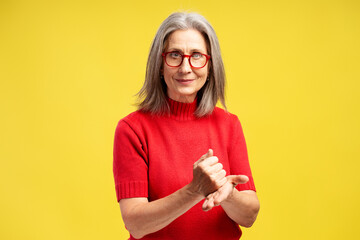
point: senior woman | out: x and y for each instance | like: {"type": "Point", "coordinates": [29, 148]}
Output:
{"type": "Point", "coordinates": [180, 163]}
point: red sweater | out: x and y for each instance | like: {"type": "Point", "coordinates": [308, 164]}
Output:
{"type": "Point", "coordinates": [154, 157]}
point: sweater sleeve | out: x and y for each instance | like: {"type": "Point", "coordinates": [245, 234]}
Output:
{"type": "Point", "coordinates": [129, 163]}
{"type": "Point", "coordinates": [239, 162]}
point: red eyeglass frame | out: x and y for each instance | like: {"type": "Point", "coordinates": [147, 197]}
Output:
{"type": "Point", "coordinates": [188, 56]}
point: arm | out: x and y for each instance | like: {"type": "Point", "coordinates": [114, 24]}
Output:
{"type": "Point", "coordinates": [142, 217]}
{"type": "Point", "coordinates": [241, 206]}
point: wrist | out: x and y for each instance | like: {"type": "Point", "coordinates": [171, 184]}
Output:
{"type": "Point", "coordinates": [231, 195]}
{"type": "Point", "coordinates": [192, 192]}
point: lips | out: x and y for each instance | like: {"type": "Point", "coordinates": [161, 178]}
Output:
{"type": "Point", "coordinates": [185, 80]}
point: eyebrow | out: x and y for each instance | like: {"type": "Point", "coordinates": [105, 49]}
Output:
{"type": "Point", "coordinates": [191, 51]}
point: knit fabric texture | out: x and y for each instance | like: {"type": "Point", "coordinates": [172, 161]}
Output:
{"type": "Point", "coordinates": [154, 157]}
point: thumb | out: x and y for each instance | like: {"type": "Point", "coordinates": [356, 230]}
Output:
{"type": "Point", "coordinates": [237, 179]}
{"type": "Point", "coordinates": [209, 153]}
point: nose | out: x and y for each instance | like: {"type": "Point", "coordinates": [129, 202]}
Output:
{"type": "Point", "coordinates": [185, 65]}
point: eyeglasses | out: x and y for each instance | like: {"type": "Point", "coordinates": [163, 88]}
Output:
{"type": "Point", "coordinates": [175, 59]}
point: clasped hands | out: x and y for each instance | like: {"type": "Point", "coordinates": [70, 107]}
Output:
{"type": "Point", "coordinates": [210, 180]}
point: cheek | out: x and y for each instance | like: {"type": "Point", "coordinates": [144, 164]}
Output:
{"type": "Point", "coordinates": [167, 72]}
{"type": "Point", "coordinates": [203, 73]}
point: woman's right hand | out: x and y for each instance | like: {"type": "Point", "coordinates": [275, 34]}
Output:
{"type": "Point", "coordinates": [208, 175]}
{"type": "Point", "coordinates": [142, 217]}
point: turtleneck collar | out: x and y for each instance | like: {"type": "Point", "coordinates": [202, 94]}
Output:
{"type": "Point", "coordinates": [182, 111]}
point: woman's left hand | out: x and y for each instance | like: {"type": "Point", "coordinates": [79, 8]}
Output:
{"type": "Point", "coordinates": [225, 192]}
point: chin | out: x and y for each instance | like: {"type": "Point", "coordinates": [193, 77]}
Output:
{"type": "Point", "coordinates": [187, 94]}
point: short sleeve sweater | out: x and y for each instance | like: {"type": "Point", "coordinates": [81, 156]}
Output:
{"type": "Point", "coordinates": [154, 157]}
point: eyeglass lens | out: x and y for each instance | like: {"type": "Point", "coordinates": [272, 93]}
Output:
{"type": "Point", "coordinates": [174, 59]}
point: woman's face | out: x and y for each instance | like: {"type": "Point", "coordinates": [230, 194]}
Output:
{"type": "Point", "coordinates": [184, 82]}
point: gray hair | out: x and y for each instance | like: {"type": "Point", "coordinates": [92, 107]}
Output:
{"type": "Point", "coordinates": [152, 96]}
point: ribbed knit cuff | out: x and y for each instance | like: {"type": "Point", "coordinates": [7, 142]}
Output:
{"type": "Point", "coordinates": [247, 186]}
{"type": "Point", "coordinates": [131, 189]}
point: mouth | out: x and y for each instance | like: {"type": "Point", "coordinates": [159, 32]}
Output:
{"type": "Point", "coordinates": [185, 80]}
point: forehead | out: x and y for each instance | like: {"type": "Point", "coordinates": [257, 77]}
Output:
{"type": "Point", "coordinates": [186, 40]}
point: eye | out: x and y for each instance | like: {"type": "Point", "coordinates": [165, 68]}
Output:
{"type": "Point", "coordinates": [196, 55]}
{"type": "Point", "coordinates": [175, 55]}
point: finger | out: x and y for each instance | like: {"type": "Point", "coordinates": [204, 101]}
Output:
{"type": "Point", "coordinates": [237, 179]}
{"type": "Point", "coordinates": [215, 167]}
{"type": "Point", "coordinates": [215, 198]}
{"type": "Point", "coordinates": [205, 204]}
{"type": "Point", "coordinates": [209, 153]}
{"type": "Point", "coordinates": [220, 175]}
{"type": "Point", "coordinates": [208, 203]}
{"type": "Point", "coordinates": [208, 162]}
{"type": "Point", "coordinates": [219, 197]}
{"type": "Point", "coordinates": [220, 178]}
{"type": "Point", "coordinates": [221, 182]}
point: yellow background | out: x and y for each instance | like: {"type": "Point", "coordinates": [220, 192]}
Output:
{"type": "Point", "coordinates": [69, 71]}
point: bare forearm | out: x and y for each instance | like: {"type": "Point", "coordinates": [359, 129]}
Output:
{"type": "Point", "coordinates": [142, 217]}
{"type": "Point", "coordinates": [147, 217]}
{"type": "Point", "coordinates": [242, 207]}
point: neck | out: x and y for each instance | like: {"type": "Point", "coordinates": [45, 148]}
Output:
{"type": "Point", "coordinates": [182, 110]}
{"type": "Point", "coordinates": [183, 98]}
